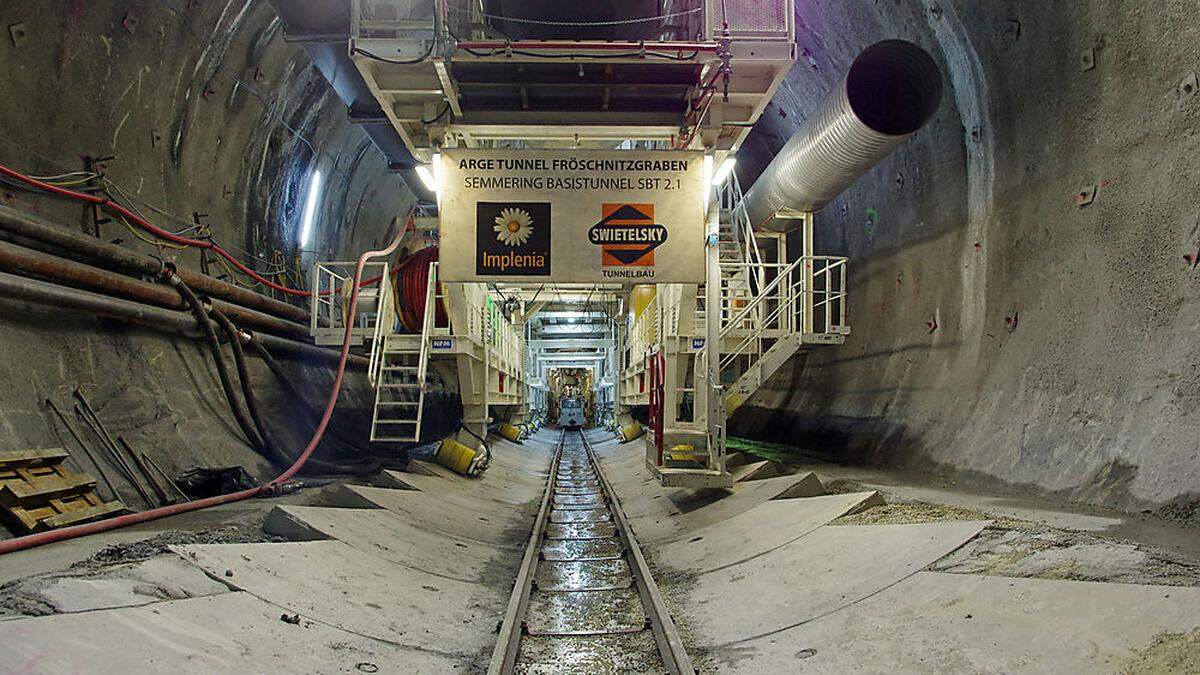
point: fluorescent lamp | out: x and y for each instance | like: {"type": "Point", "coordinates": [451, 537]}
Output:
{"type": "Point", "coordinates": [708, 169]}
{"type": "Point", "coordinates": [310, 207]}
{"type": "Point", "coordinates": [430, 174]}
{"type": "Point", "coordinates": [427, 178]}
{"type": "Point", "coordinates": [724, 170]}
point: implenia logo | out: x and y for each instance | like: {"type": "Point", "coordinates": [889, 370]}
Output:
{"type": "Point", "coordinates": [627, 235]}
{"type": "Point", "coordinates": [512, 239]}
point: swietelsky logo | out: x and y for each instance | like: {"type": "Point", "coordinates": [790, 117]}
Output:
{"type": "Point", "coordinates": [627, 235]}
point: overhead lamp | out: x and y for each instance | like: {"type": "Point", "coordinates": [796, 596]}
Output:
{"type": "Point", "coordinates": [708, 169]}
{"type": "Point", "coordinates": [724, 170]}
{"type": "Point", "coordinates": [428, 173]}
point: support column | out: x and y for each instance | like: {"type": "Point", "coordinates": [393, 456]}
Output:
{"type": "Point", "coordinates": [713, 403]}
{"type": "Point", "coordinates": [807, 271]}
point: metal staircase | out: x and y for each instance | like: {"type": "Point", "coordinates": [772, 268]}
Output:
{"type": "Point", "coordinates": [770, 310]}
{"type": "Point", "coordinates": [400, 377]}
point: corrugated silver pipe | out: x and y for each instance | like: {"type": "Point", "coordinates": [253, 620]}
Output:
{"type": "Point", "coordinates": [892, 90]}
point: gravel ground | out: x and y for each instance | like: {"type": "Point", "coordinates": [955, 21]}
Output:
{"type": "Point", "coordinates": [1021, 548]}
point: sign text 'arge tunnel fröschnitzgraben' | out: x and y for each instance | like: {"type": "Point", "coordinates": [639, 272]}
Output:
{"type": "Point", "coordinates": [572, 215]}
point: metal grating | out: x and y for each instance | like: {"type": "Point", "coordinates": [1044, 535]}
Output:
{"type": "Point", "coordinates": [761, 19]}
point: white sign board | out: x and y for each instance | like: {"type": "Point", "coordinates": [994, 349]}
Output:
{"type": "Point", "coordinates": [590, 216]}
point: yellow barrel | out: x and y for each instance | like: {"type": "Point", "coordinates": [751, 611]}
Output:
{"type": "Point", "coordinates": [632, 431]}
{"type": "Point", "coordinates": [640, 298]}
{"type": "Point", "coordinates": [455, 456]}
{"type": "Point", "coordinates": [510, 432]}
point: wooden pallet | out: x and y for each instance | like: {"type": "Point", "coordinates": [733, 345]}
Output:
{"type": "Point", "coordinates": [38, 493]}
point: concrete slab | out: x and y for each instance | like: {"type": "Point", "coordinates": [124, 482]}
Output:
{"type": "Point", "coordinates": [829, 569]}
{"type": "Point", "coordinates": [762, 529]}
{"type": "Point", "coordinates": [144, 582]}
{"type": "Point", "coordinates": [755, 471]}
{"type": "Point", "coordinates": [657, 520]}
{"type": "Point", "coordinates": [486, 523]}
{"type": "Point", "coordinates": [897, 486]}
{"type": "Point", "coordinates": [953, 623]}
{"type": "Point", "coordinates": [517, 499]}
{"type": "Point", "coordinates": [335, 584]}
{"type": "Point", "coordinates": [395, 538]}
{"type": "Point", "coordinates": [510, 493]}
{"type": "Point", "coordinates": [227, 633]}
{"type": "Point", "coordinates": [431, 469]}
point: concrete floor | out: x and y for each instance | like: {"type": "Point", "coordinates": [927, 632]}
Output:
{"type": "Point", "coordinates": [768, 577]}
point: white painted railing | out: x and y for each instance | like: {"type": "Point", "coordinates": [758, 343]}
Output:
{"type": "Point", "coordinates": [807, 296]}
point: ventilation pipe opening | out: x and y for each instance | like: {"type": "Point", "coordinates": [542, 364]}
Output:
{"type": "Point", "coordinates": [892, 90]}
{"type": "Point", "coordinates": [894, 87]}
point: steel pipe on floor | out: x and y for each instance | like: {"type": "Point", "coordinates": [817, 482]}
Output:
{"type": "Point", "coordinates": [38, 229]}
{"type": "Point", "coordinates": [26, 262]}
{"type": "Point", "coordinates": [890, 92]}
{"type": "Point", "coordinates": [24, 289]}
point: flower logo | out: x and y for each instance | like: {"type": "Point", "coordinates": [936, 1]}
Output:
{"type": "Point", "coordinates": [513, 226]}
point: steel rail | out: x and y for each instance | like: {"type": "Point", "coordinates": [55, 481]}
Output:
{"type": "Point", "coordinates": [666, 633]}
{"type": "Point", "coordinates": [512, 628]}
{"type": "Point", "coordinates": [504, 655]}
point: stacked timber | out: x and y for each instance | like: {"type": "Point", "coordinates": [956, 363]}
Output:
{"type": "Point", "coordinates": [38, 493]}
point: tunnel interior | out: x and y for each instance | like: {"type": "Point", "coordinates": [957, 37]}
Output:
{"type": "Point", "coordinates": [1021, 297]}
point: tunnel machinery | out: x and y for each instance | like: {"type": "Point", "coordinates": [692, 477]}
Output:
{"type": "Point", "coordinates": [588, 215]}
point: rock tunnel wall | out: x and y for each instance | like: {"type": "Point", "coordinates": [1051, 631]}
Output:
{"type": "Point", "coordinates": [1063, 353]}
{"type": "Point", "coordinates": [203, 108]}
{"type": "Point", "coordinates": [1003, 330]}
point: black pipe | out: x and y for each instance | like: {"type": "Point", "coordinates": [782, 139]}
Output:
{"type": "Point", "coordinates": [55, 295]}
{"type": "Point", "coordinates": [239, 359]}
{"type": "Point", "coordinates": [31, 262]}
{"type": "Point", "coordinates": [32, 227]}
{"type": "Point", "coordinates": [214, 346]}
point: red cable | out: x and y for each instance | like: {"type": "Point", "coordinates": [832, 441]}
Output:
{"type": "Point", "coordinates": [29, 541]}
{"type": "Point", "coordinates": [170, 236]}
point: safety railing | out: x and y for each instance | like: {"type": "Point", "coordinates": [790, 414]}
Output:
{"type": "Point", "coordinates": [643, 333]}
{"type": "Point", "coordinates": [729, 196]}
{"type": "Point", "coordinates": [506, 348]}
{"type": "Point", "coordinates": [393, 19]}
{"type": "Point", "coordinates": [428, 320]}
{"type": "Point", "coordinates": [675, 20]}
{"type": "Point", "coordinates": [807, 296]}
{"type": "Point", "coordinates": [383, 328]}
{"type": "Point", "coordinates": [329, 306]}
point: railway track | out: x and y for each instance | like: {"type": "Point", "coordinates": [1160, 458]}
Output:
{"type": "Point", "coordinates": [584, 600]}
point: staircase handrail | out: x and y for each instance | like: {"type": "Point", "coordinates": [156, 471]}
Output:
{"type": "Point", "coordinates": [762, 295]}
{"type": "Point", "coordinates": [384, 308]}
{"type": "Point", "coordinates": [427, 320]}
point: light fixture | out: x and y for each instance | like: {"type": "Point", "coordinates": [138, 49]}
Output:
{"type": "Point", "coordinates": [310, 207]}
{"type": "Point", "coordinates": [708, 168]}
{"type": "Point", "coordinates": [430, 174]}
{"type": "Point", "coordinates": [724, 170]}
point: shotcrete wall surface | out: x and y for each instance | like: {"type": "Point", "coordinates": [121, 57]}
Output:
{"type": "Point", "coordinates": [1004, 327]}
{"type": "Point", "coordinates": [1001, 329]}
{"type": "Point", "coordinates": [201, 108]}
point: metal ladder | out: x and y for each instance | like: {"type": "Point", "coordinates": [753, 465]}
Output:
{"type": "Point", "coordinates": [400, 379]}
